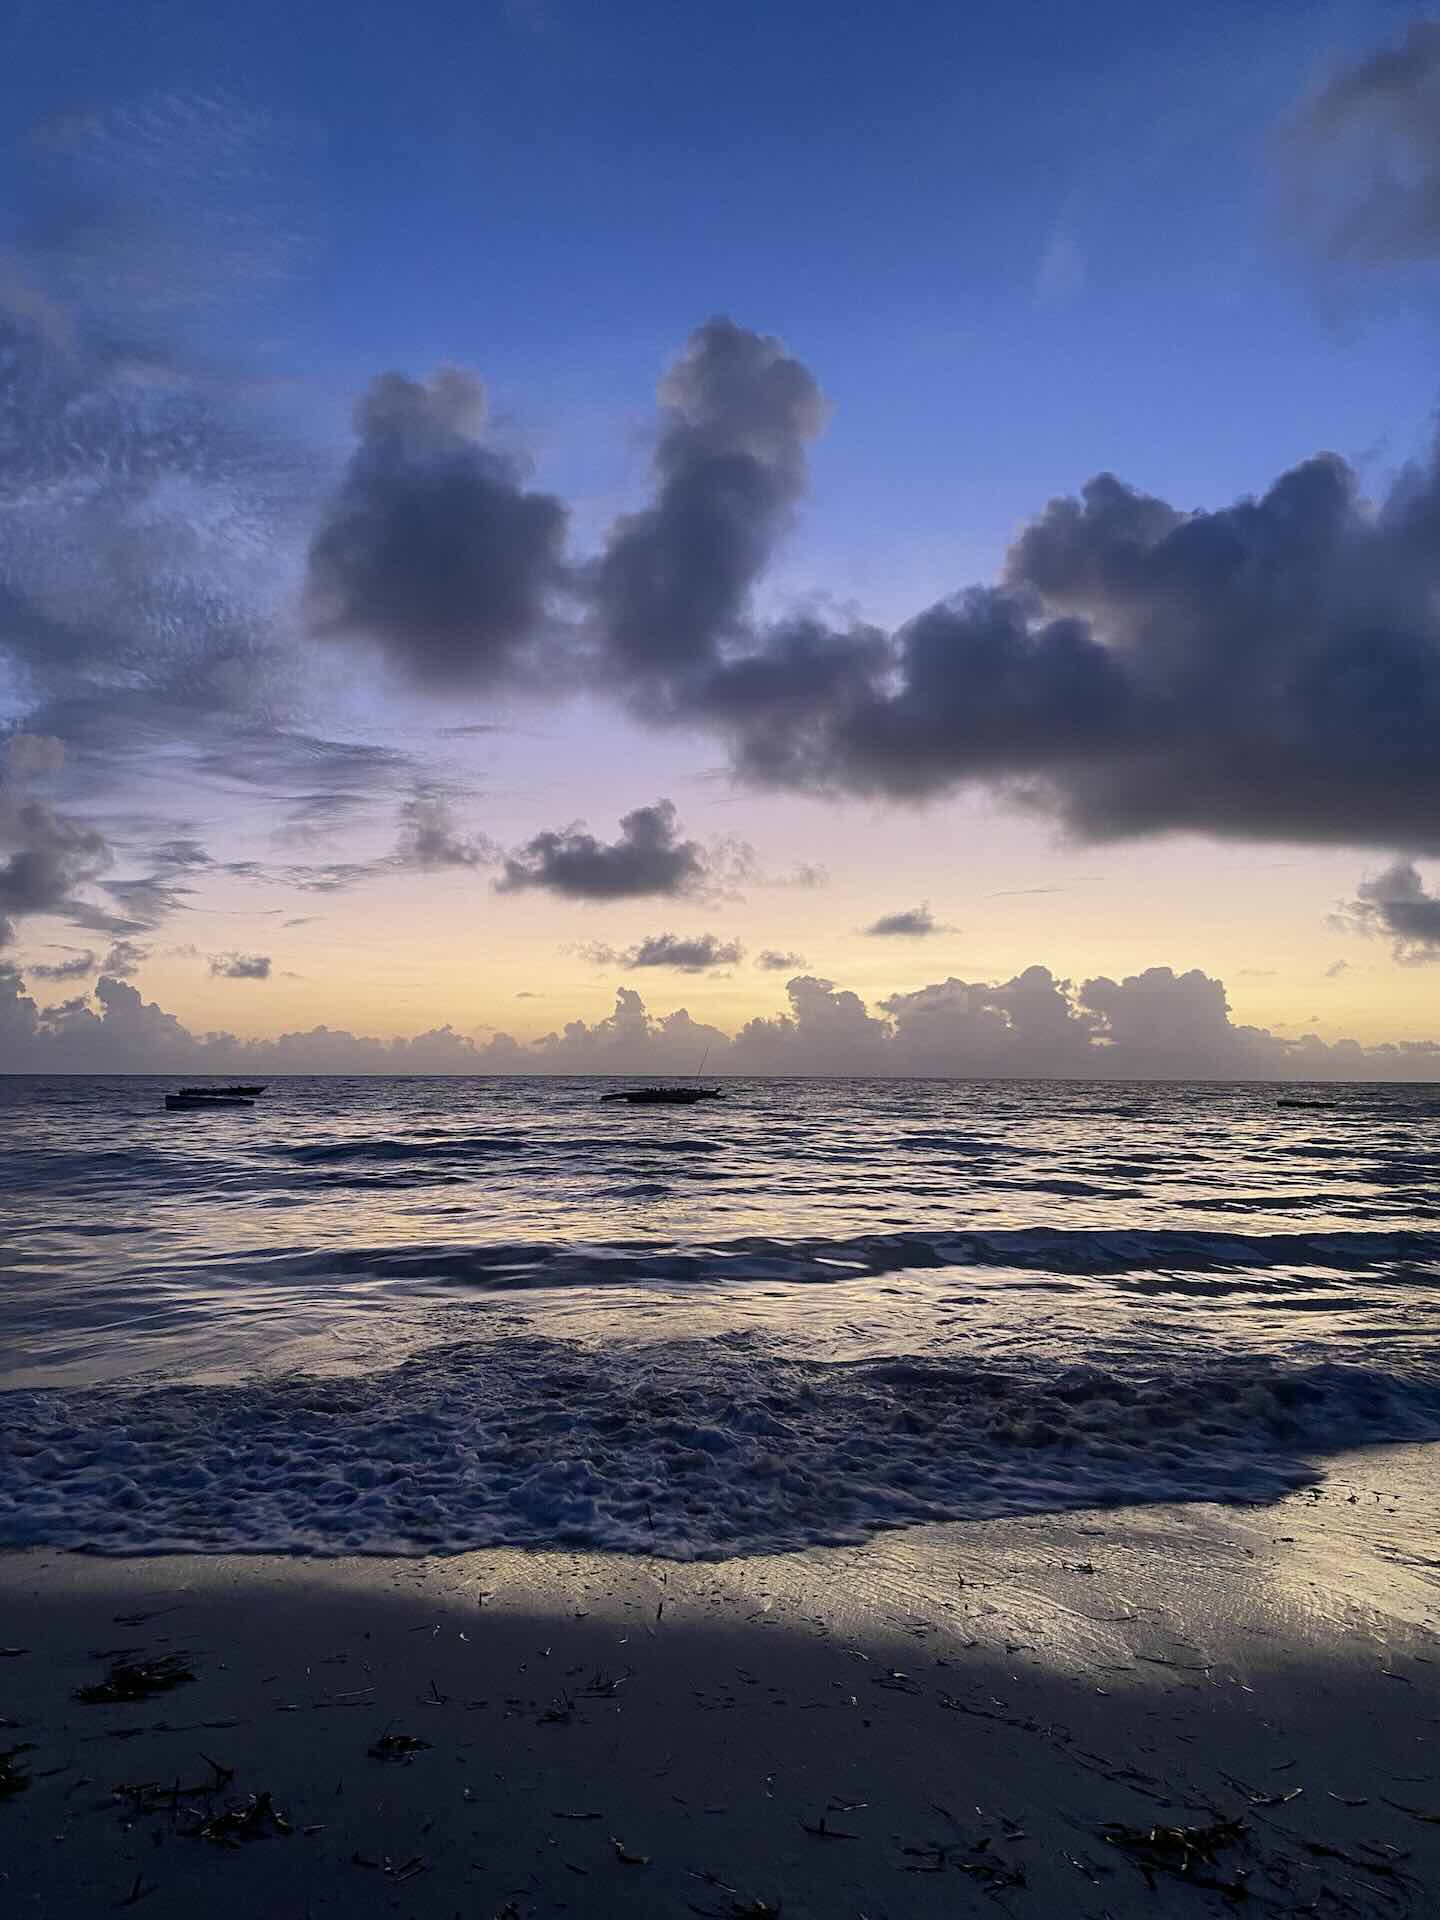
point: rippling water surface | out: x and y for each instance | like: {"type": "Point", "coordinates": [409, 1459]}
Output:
{"type": "Point", "coordinates": [420, 1314]}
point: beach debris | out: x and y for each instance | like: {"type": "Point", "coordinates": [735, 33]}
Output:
{"type": "Point", "coordinates": [604, 1686]}
{"type": "Point", "coordinates": [1177, 1850]}
{"type": "Point", "coordinates": [625, 1857]}
{"type": "Point", "coordinates": [398, 1746]}
{"type": "Point", "coordinates": [13, 1778]}
{"type": "Point", "coordinates": [407, 1870]}
{"type": "Point", "coordinates": [561, 1814]}
{"type": "Point", "coordinates": [1415, 1813]}
{"type": "Point", "coordinates": [256, 1817]}
{"type": "Point", "coordinates": [1258, 1798]}
{"type": "Point", "coordinates": [132, 1680]}
{"type": "Point", "coordinates": [822, 1831]}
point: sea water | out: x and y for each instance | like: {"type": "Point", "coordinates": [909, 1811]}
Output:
{"type": "Point", "coordinates": [420, 1315]}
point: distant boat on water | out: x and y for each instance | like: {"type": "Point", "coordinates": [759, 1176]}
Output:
{"type": "Point", "coordinates": [664, 1096]}
{"type": "Point", "coordinates": [235, 1091]}
{"type": "Point", "coordinates": [199, 1099]}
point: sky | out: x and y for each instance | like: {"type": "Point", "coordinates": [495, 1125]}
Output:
{"type": "Point", "coordinates": [538, 536]}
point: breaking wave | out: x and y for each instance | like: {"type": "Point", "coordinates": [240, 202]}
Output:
{"type": "Point", "coordinates": [691, 1449]}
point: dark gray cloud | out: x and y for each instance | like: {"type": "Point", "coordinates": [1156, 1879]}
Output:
{"type": "Point", "coordinates": [648, 858]}
{"type": "Point", "coordinates": [44, 855]}
{"type": "Point", "coordinates": [674, 583]}
{"type": "Point", "coordinates": [124, 959]}
{"type": "Point", "coordinates": [76, 968]}
{"type": "Point", "coordinates": [240, 966]}
{"type": "Point", "coordinates": [429, 838]}
{"type": "Point", "coordinates": [434, 550]}
{"type": "Point", "coordinates": [772, 960]}
{"type": "Point", "coordinates": [911, 923]}
{"type": "Point", "coordinates": [685, 953]}
{"type": "Point", "coordinates": [1364, 154]}
{"type": "Point", "coordinates": [1268, 670]}
{"type": "Point", "coordinates": [1395, 904]}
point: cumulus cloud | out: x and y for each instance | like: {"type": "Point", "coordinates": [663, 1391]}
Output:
{"type": "Point", "coordinates": [685, 953]}
{"type": "Point", "coordinates": [434, 550]}
{"type": "Point", "coordinates": [674, 582]}
{"type": "Point", "coordinates": [774, 960]}
{"type": "Point", "coordinates": [240, 966]}
{"type": "Point", "coordinates": [648, 858]}
{"type": "Point", "coordinates": [911, 923]}
{"type": "Point", "coordinates": [1395, 904]}
{"type": "Point", "coordinates": [430, 839]}
{"type": "Point", "coordinates": [1364, 153]}
{"type": "Point", "coordinates": [1153, 1025]}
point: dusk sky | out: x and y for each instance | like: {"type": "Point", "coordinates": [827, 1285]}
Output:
{"type": "Point", "coordinates": [805, 515]}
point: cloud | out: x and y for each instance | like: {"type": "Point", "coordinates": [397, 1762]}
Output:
{"type": "Point", "coordinates": [1364, 155]}
{"type": "Point", "coordinates": [76, 968]}
{"type": "Point", "coordinates": [434, 550]}
{"type": "Point", "coordinates": [772, 960]}
{"type": "Point", "coordinates": [30, 756]}
{"type": "Point", "coordinates": [1153, 1025]}
{"type": "Point", "coordinates": [124, 959]}
{"type": "Point", "coordinates": [674, 582]}
{"type": "Point", "coordinates": [334, 876]}
{"type": "Point", "coordinates": [1336, 968]}
{"type": "Point", "coordinates": [912, 923]}
{"type": "Point", "coordinates": [1270, 670]}
{"type": "Point", "coordinates": [150, 508]}
{"type": "Point", "coordinates": [692, 953]}
{"type": "Point", "coordinates": [806, 876]}
{"type": "Point", "coordinates": [240, 966]}
{"type": "Point", "coordinates": [44, 855]}
{"type": "Point", "coordinates": [648, 858]}
{"type": "Point", "coordinates": [429, 838]}
{"type": "Point", "coordinates": [1394, 904]}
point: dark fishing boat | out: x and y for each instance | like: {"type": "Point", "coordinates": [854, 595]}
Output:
{"type": "Point", "coordinates": [235, 1091]}
{"type": "Point", "coordinates": [665, 1096]}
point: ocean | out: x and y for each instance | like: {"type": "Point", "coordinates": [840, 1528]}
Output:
{"type": "Point", "coordinates": [426, 1315]}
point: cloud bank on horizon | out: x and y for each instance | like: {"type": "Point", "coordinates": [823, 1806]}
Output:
{"type": "Point", "coordinates": [170, 564]}
{"type": "Point", "coordinates": [1153, 1025]}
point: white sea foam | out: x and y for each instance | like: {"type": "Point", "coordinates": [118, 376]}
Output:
{"type": "Point", "coordinates": [689, 1449]}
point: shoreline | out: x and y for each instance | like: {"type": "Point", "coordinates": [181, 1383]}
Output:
{"type": "Point", "coordinates": [943, 1720]}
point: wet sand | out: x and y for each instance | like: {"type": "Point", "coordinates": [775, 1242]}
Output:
{"type": "Point", "coordinates": [1142, 1710]}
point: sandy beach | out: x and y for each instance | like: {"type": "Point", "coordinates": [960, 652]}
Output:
{"type": "Point", "coordinates": [1148, 1709]}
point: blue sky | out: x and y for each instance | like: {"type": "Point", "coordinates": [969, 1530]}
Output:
{"type": "Point", "coordinates": [1016, 246]}
{"type": "Point", "coordinates": [1019, 245]}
